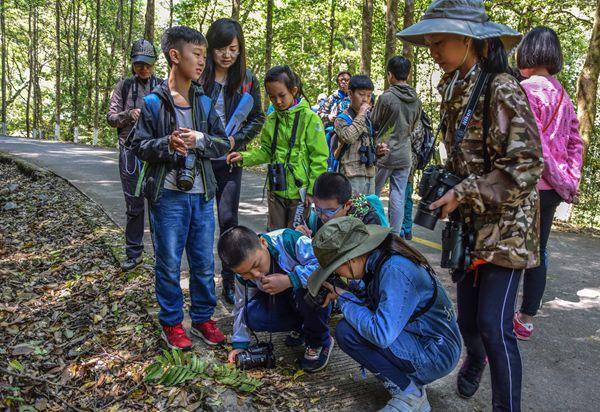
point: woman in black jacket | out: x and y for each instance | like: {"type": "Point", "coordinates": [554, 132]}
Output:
{"type": "Point", "coordinates": [235, 92]}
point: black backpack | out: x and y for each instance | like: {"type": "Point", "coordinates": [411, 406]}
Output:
{"type": "Point", "coordinates": [423, 142]}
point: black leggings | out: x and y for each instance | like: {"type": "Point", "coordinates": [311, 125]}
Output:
{"type": "Point", "coordinates": [229, 185]}
{"type": "Point", "coordinates": [486, 304]}
{"type": "Point", "coordinates": [534, 281]}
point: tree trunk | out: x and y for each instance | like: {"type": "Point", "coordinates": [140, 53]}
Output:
{"type": "Point", "coordinates": [391, 19]}
{"type": "Point", "coordinates": [28, 104]}
{"type": "Point", "coordinates": [37, 92]}
{"type": "Point", "coordinates": [407, 49]}
{"type": "Point", "coordinates": [366, 49]}
{"type": "Point", "coordinates": [57, 85]}
{"type": "Point", "coordinates": [235, 9]}
{"type": "Point", "coordinates": [97, 74]}
{"type": "Point", "coordinates": [587, 85]}
{"type": "Point", "coordinates": [129, 36]}
{"type": "Point", "coordinates": [268, 42]}
{"type": "Point", "coordinates": [3, 51]}
{"type": "Point", "coordinates": [331, 39]}
{"type": "Point", "coordinates": [170, 13]}
{"type": "Point", "coordinates": [149, 26]}
{"type": "Point", "coordinates": [249, 8]}
{"type": "Point", "coordinates": [75, 89]}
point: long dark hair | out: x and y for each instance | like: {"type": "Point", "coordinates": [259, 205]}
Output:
{"type": "Point", "coordinates": [492, 55]}
{"type": "Point", "coordinates": [286, 76]}
{"type": "Point", "coordinates": [220, 34]}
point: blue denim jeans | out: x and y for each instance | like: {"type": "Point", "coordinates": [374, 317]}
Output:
{"type": "Point", "coordinates": [407, 223]}
{"type": "Point", "coordinates": [398, 180]}
{"type": "Point", "coordinates": [182, 220]}
{"type": "Point", "coordinates": [287, 311]}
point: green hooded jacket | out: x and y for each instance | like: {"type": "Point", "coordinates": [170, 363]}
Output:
{"type": "Point", "coordinates": [308, 158]}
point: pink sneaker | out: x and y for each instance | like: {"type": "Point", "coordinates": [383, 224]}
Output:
{"type": "Point", "coordinates": [523, 331]}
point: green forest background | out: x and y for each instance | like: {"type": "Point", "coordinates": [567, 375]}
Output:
{"type": "Point", "coordinates": [61, 59]}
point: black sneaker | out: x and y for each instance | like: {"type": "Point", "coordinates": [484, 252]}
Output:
{"type": "Point", "coordinates": [228, 289]}
{"type": "Point", "coordinates": [294, 338]}
{"type": "Point", "coordinates": [469, 377]}
{"type": "Point", "coordinates": [316, 359]}
{"type": "Point", "coordinates": [131, 263]}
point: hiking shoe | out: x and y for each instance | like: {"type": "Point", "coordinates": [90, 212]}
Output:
{"type": "Point", "coordinates": [408, 236]}
{"type": "Point", "coordinates": [175, 337]}
{"type": "Point", "coordinates": [401, 402]}
{"type": "Point", "coordinates": [208, 332]}
{"type": "Point", "coordinates": [228, 290]}
{"type": "Point", "coordinates": [523, 331]}
{"type": "Point", "coordinates": [131, 263]}
{"type": "Point", "coordinates": [316, 359]}
{"type": "Point", "coordinates": [294, 338]}
{"type": "Point", "coordinates": [469, 376]}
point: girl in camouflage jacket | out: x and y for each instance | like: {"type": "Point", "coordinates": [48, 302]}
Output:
{"type": "Point", "coordinates": [497, 197]}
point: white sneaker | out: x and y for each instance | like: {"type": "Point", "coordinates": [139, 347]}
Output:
{"type": "Point", "coordinates": [408, 403]}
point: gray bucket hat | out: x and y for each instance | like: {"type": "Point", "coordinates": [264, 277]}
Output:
{"type": "Point", "coordinates": [462, 17]}
{"type": "Point", "coordinates": [340, 240]}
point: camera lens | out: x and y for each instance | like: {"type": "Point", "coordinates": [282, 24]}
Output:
{"type": "Point", "coordinates": [425, 217]}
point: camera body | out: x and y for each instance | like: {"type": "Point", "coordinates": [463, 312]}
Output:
{"type": "Point", "coordinates": [315, 302]}
{"type": "Point", "coordinates": [367, 155]}
{"type": "Point", "coordinates": [277, 177]}
{"type": "Point", "coordinates": [186, 170]}
{"type": "Point", "coordinates": [256, 356]}
{"type": "Point", "coordinates": [435, 182]}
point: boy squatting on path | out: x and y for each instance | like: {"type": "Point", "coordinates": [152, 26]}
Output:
{"type": "Point", "coordinates": [177, 122]}
{"type": "Point", "coordinates": [272, 271]}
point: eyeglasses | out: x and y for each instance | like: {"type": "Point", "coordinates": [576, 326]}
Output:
{"type": "Point", "coordinates": [225, 52]}
{"type": "Point", "coordinates": [329, 213]}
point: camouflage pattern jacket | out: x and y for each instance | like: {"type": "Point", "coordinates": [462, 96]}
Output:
{"type": "Point", "coordinates": [502, 206]}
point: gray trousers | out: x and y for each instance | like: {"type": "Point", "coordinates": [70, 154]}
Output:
{"type": "Point", "coordinates": [362, 184]}
{"type": "Point", "coordinates": [398, 180]}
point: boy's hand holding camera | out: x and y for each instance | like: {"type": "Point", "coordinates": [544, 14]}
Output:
{"type": "Point", "coordinates": [364, 109]}
{"type": "Point", "coordinates": [183, 139]}
{"type": "Point", "coordinates": [334, 293]}
{"type": "Point", "coordinates": [276, 283]}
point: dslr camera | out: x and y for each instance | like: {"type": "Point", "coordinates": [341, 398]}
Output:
{"type": "Point", "coordinates": [367, 155]}
{"type": "Point", "coordinates": [186, 170]}
{"type": "Point", "coordinates": [256, 356]}
{"type": "Point", "coordinates": [435, 182]}
{"type": "Point", "coordinates": [315, 302]}
{"type": "Point", "coordinates": [276, 176]}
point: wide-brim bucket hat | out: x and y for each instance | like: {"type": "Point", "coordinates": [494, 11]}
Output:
{"type": "Point", "coordinates": [462, 17]}
{"type": "Point", "coordinates": [340, 240]}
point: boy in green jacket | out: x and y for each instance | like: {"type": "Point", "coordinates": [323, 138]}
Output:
{"type": "Point", "coordinates": [292, 142]}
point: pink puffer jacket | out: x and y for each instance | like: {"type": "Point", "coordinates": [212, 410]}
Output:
{"type": "Point", "coordinates": [561, 144]}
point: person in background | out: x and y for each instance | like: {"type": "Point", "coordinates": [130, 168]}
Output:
{"type": "Point", "coordinates": [539, 59]}
{"type": "Point", "coordinates": [123, 112]}
{"type": "Point", "coordinates": [235, 93]}
{"type": "Point", "coordinates": [395, 117]}
{"type": "Point", "coordinates": [338, 101]}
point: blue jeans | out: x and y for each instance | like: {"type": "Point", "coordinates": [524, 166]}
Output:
{"type": "Point", "coordinates": [182, 220]}
{"type": "Point", "coordinates": [379, 361]}
{"type": "Point", "coordinates": [398, 179]}
{"type": "Point", "coordinates": [288, 312]}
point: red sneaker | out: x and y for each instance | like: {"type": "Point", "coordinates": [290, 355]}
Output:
{"type": "Point", "coordinates": [523, 331]}
{"type": "Point", "coordinates": [208, 332]}
{"type": "Point", "coordinates": [176, 337]}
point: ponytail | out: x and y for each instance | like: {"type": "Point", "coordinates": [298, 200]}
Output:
{"type": "Point", "coordinates": [492, 55]}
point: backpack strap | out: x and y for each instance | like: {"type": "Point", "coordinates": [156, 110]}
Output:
{"type": "Point", "coordinates": [345, 147]}
{"type": "Point", "coordinates": [205, 103]}
{"type": "Point", "coordinates": [385, 255]}
{"type": "Point", "coordinates": [125, 87]}
{"type": "Point", "coordinates": [153, 104]}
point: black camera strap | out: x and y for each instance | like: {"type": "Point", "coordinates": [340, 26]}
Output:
{"type": "Point", "coordinates": [461, 131]}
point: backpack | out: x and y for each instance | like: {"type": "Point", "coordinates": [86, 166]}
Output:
{"type": "Point", "coordinates": [422, 142]}
{"type": "Point", "coordinates": [373, 201]}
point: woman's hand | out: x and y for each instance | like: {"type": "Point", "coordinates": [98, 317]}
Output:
{"type": "Point", "coordinates": [334, 293]}
{"type": "Point", "coordinates": [448, 203]}
{"type": "Point", "coordinates": [234, 157]}
{"type": "Point", "coordinates": [233, 354]}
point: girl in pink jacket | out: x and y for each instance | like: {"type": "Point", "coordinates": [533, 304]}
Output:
{"type": "Point", "coordinates": [539, 57]}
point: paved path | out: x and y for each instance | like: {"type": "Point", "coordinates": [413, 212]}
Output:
{"type": "Point", "coordinates": [561, 362]}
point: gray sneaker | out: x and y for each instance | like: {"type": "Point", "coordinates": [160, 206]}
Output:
{"type": "Point", "coordinates": [408, 403]}
{"type": "Point", "coordinates": [131, 263]}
